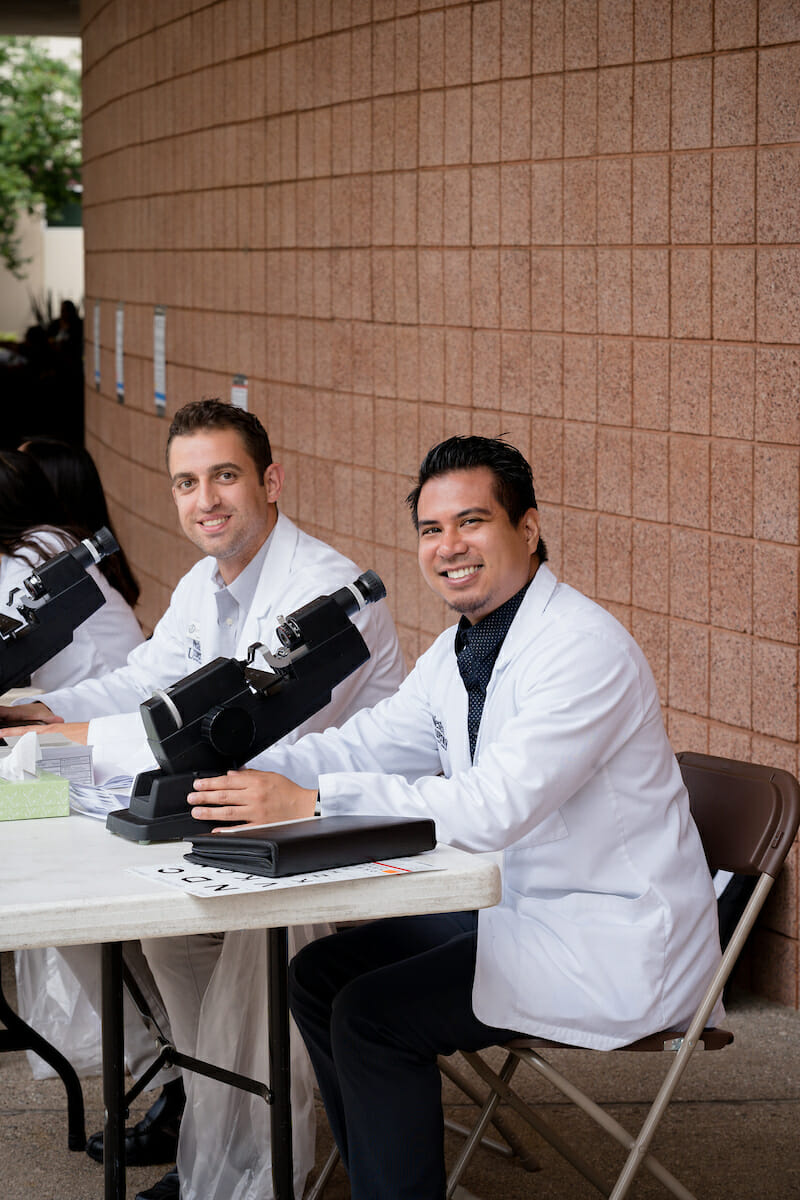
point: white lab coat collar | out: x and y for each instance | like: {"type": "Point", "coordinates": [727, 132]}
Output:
{"type": "Point", "coordinates": [278, 563]}
{"type": "Point", "coordinates": [534, 602]}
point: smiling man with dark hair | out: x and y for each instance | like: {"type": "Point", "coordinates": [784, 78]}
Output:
{"type": "Point", "coordinates": [532, 729]}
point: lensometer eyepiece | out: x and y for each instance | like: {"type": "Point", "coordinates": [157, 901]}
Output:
{"type": "Point", "coordinates": [367, 589]}
{"type": "Point", "coordinates": [93, 549]}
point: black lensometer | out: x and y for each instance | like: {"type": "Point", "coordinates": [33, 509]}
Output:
{"type": "Point", "coordinates": [59, 596]}
{"type": "Point", "coordinates": [221, 716]}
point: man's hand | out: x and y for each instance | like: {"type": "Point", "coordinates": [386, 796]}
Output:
{"type": "Point", "coordinates": [13, 717]}
{"type": "Point", "coordinates": [250, 798]}
{"type": "Point", "coordinates": [76, 731]}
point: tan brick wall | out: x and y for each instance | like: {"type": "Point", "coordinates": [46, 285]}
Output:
{"type": "Point", "coordinates": [571, 221]}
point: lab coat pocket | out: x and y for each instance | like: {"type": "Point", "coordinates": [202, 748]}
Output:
{"type": "Point", "coordinates": [607, 955]}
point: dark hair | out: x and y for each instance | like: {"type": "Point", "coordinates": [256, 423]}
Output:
{"type": "Point", "coordinates": [73, 476]}
{"type": "Point", "coordinates": [28, 506]}
{"type": "Point", "coordinates": [513, 479]}
{"type": "Point", "coordinates": [216, 414]}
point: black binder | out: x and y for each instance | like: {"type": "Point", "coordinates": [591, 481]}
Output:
{"type": "Point", "coordinates": [317, 844]}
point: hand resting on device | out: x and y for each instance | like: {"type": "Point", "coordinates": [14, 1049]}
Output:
{"type": "Point", "coordinates": [251, 798]}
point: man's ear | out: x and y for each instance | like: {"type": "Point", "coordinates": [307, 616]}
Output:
{"type": "Point", "coordinates": [532, 527]}
{"type": "Point", "coordinates": [273, 481]}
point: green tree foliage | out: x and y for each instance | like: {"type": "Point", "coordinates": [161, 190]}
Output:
{"type": "Point", "coordinates": [40, 137]}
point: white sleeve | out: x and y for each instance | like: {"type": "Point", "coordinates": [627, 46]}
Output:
{"type": "Point", "coordinates": [119, 746]}
{"type": "Point", "coordinates": [395, 736]}
{"type": "Point", "coordinates": [98, 646]}
{"type": "Point", "coordinates": [158, 662]}
{"type": "Point", "coordinates": [567, 720]}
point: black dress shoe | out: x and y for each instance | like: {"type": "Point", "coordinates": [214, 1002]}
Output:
{"type": "Point", "coordinates": [154, 1139]}
{"type": "Point", "coordinates": [168, 1188]}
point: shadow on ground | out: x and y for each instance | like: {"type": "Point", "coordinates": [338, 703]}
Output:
{"type": "Point", "coordinates": [732, 1131]}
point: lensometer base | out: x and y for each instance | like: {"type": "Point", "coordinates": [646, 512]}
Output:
{"type": "Point", "coordinates": [159, 811]}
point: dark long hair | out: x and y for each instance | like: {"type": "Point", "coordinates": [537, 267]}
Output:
{"type": "Point", "coordinates": [28, 507]}
{"type": "Point", "coordinates": [73, 476]}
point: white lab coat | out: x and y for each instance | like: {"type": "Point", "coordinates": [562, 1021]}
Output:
{"type": "Point", "coordinates": [100, 644]}
{"type": "Point", "coordinates": [607, 927]}
{"type": "Point", "coordinates": [49, 996]}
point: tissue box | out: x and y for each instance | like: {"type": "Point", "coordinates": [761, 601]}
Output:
{"type": "Point", "coordinates": [45, 796]}
{"type": "Point", "coordinates": [58, 755]}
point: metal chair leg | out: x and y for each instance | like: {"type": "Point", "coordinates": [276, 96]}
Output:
{"type": "Point", "coordinates": [329, 1167]}
{"type": "Point", "coordinates": [515, 1145]}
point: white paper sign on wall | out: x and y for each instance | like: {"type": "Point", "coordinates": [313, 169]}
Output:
{"type": "Point", "coordinates": [160, 358]}
{"type": "Point", "coordinates": [119, 349]}
{"type": "Point", "coordinates": [96, 336]}
{"type": "Point", "coordinates": [239, 392]}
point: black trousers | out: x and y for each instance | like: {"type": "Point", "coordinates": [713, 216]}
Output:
{"type": "Point", "coordinates": [376, 1004]}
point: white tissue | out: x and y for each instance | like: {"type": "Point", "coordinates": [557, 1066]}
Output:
{"type": "Point", "coordinates": [20, 763]}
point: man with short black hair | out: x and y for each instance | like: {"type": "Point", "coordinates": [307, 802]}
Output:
{"type": "Point", "coordinates": [532, 730]}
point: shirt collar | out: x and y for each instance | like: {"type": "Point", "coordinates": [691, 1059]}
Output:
{"type": "Point", "coordinates": [486, 636]}
{"type": "Point", "coordinates": [243, 587]}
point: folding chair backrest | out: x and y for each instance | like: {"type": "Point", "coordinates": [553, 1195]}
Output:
{"type": "Point", "coordinates": [746, 814]}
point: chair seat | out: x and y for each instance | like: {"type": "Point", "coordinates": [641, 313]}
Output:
{"type": "Point", "coordinates": [668, 1039]}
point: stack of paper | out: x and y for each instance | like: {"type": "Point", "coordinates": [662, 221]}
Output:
{"type": "Point", "coordinates": [59, 755]}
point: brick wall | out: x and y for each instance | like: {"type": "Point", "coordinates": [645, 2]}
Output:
{"type": "Point", "coordinates": [571, 221]}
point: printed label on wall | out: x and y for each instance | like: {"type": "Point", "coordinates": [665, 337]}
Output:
{"type": "Point", "coordinates": [97, 345]}
{"type": "Point", "coordinates": [119, 354]}
{"type": "Point", "coordinates": [239, 392]}
{"type": "Point", "coordinates": [160, 358]}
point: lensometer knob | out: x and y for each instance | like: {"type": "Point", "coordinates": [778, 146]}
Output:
{"type": "Point", "coordinates": [229, 730]}
{"type": "Point", "coordinates": [288, 633]}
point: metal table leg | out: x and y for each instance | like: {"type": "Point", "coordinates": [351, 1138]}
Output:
{"type": "Point", "coordinates": [113, 1072]}
{"type": "Point", "coordinates": [280, 1079]}
{"type": "Point", "coordinates": [279, 1059]}
{"type": "Point", "coordinates": [18, 1035]}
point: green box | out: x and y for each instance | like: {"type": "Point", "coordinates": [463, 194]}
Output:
{"type": "Point", "coordinates": [45, 796]}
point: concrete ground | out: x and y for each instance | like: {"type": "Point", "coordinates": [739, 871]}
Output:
{"type": "Point", "coordinates": [732, 1131]}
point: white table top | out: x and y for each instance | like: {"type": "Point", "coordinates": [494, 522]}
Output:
{"type": "Point", "coordinates": [64, 882]}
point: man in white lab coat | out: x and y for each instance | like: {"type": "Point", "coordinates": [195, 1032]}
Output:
{"type": "Point", "coordinates": [258, 565]}
{"type": "Point", "coordinates": [532, 730]}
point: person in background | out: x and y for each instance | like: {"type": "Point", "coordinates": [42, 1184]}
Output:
{"type": "Point", "coordinates": [28, 388]}
{"type": "Point", "coordinates": [74, 478]}
{"type": "Point", "coordinates": [67, 330]}
{"type": "Point", "coordinates": [35, 526]}
{"type": "Point", "coordinates": [66, 346]}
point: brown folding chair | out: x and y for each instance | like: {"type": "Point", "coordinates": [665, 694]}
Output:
{"type": "Point", "coordinates": [747, 816]}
